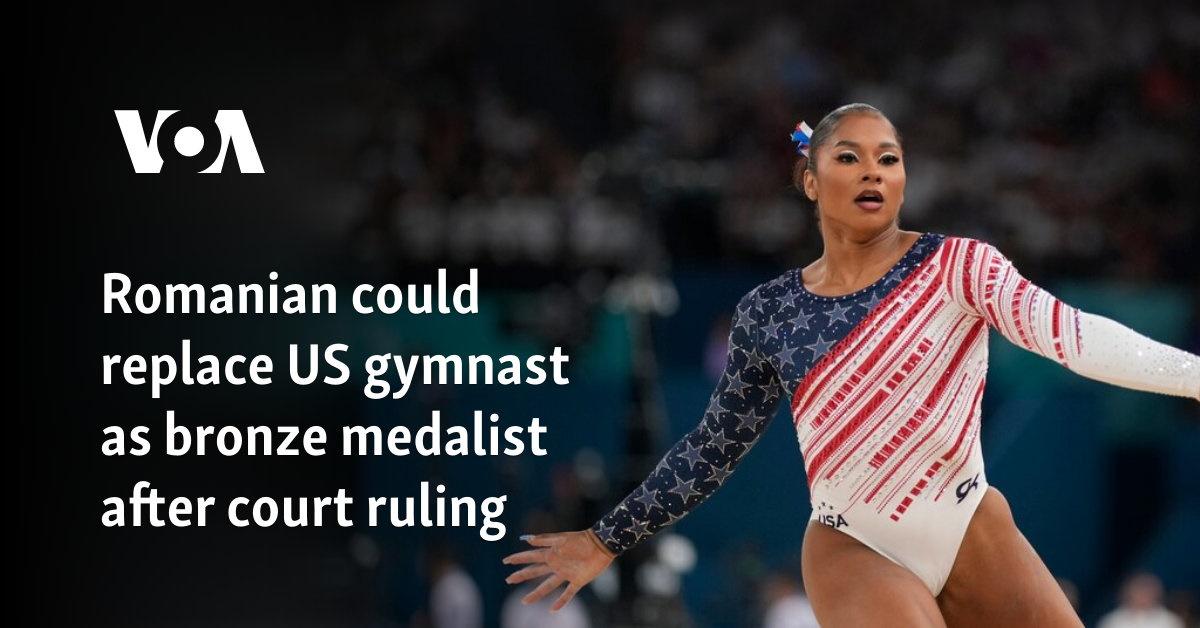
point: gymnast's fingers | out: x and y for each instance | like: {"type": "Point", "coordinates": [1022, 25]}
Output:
{"type": "Point", "coordinates": [549, 584]}
{"type": "Point", "coordinates": [528, 573]}
{"type": "Point", "coordinates": [528, 556]}
{"type": "Point", "coordinates": [542, 540]}
{"type": "Point", "coordinates": [566, 596]}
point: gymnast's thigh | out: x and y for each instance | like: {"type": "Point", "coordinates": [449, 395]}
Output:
{"type": "Point", "coordinates": [850, 584]}
{"type": "Point", "coordinates": [998, 579]}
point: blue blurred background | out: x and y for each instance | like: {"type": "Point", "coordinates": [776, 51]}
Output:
{"type": "Point", "coordinates": [578, 151]}
{"type": "Point", "coordinates": [619, 173]}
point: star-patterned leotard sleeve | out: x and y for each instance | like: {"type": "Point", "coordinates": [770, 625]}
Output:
{"type": "Point", "coordinates": [739, 411]}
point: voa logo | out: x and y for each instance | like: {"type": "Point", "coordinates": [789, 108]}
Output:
{"type": "Point", "coordinates": [187, 143]}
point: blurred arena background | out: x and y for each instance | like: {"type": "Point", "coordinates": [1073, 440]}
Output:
{"type": "Point", "coordinates": [624, 170]}
{"type": "Point", "coordinates": [619, 172]}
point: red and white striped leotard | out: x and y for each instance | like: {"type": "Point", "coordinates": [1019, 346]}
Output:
{"type": "Point", "coordinates": [885, 387]}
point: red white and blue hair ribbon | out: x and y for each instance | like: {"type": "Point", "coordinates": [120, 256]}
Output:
{"type": "Point", "coordinates": [801, 137]}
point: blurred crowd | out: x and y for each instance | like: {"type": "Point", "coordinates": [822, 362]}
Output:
{"type": "Point", "coordinates": [626, 134]}
{"type": "Point", "coordinates": [629, 137]}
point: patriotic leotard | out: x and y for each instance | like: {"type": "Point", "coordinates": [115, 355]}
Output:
{"type": "Point", "coordinates": [885, 386]}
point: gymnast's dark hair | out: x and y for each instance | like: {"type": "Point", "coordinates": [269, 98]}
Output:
{"type": "Point", "coordinates": [823, 130]}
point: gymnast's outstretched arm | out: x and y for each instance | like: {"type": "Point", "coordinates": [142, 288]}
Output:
{"type": "Point", "coordinates": [986, 283]}
{"type": "Point", "coordinates": [739, 411]}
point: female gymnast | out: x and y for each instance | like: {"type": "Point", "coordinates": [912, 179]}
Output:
{"type": "Point", "coordinates": [881, 348]}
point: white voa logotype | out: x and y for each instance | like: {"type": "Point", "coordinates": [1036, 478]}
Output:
{"type": "Point", "coordinates": [185, 142]}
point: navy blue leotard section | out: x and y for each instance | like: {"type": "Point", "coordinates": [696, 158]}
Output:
{"type": "Point", "coordinates": [779, 331]}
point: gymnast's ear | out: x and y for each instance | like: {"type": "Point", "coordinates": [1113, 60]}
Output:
{"type": "Point", "coordinates": [801, 176]}
{"type": "Point", "coordinates": [808, 184]}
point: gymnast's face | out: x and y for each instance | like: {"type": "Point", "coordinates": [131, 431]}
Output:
{"type": "Point", "coordinates": [859, 178]}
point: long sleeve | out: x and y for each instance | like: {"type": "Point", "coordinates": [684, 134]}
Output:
{"type": "Point", "coordinates": [739, 411]}
{"type": "Point", "coordinates": [986, 283]}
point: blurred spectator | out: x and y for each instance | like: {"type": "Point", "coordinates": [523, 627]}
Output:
{"type": "Point", "coordinates": [1141, 606]}
{"type": "Point", "coordinates": [514, 614]}
{"type": "Point", "coordinates": [454, 599]}
{"type": "Point", "coordinates": [786, 605]}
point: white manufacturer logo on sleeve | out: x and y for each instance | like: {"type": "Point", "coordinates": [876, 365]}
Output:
{"type": "Point", "coordinates": [188, 143]}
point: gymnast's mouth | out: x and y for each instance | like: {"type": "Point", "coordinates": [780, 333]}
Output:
{"type": "Point", "coordinates": [870, 200]}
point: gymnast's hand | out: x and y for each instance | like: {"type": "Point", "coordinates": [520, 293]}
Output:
{"type": "Point", "coordinates": [572, 557]}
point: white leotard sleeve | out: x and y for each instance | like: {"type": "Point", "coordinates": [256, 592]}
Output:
{"type": "Point", "coordinates": [986, 283]}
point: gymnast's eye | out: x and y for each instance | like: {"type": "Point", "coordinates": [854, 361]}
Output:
{"type": "Point", "coordinates": [847, 157]}
{"type": "Point", "coordinates": [889, 159]}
